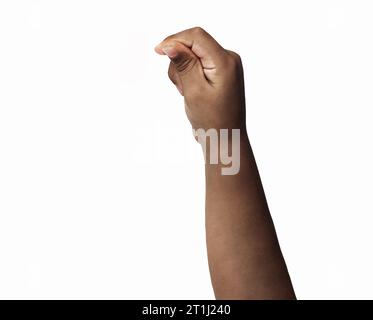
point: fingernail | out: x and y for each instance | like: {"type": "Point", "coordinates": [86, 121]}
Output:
{"type": "Point", "coordinates": [170, 51]}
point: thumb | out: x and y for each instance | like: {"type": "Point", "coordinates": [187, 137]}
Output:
{"type": "Point", "coordinates": [187, 64]}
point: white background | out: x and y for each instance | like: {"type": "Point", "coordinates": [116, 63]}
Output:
{"type": "Point", "coordinates": [101, 181]}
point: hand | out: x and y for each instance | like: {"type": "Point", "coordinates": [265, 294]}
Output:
{"type": "Point", "coordinates": [209, 77]}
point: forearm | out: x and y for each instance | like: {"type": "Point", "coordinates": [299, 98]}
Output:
{"type": "Point", "coordinates": [244, 256]}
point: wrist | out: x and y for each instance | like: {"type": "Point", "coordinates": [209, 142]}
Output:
{"type": "Point", "coordinates": [222, 148]}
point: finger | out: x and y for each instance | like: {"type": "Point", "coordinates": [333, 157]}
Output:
{"type": "Point", "coordinates": [204, 46]}
{"type": "Point", "coordinates": [175, 78]}
{"type": "Point", "coordinates": [187, 65]}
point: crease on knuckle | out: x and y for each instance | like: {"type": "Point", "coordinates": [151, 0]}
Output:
{"type": "Point", "coordinates": [185, 65]}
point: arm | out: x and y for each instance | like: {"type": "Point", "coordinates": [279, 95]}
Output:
{"type": "Point", "coordinates": [244, 256]}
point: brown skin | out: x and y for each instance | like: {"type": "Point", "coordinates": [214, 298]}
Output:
{"type": "Point", "coordinates": [244, 256]}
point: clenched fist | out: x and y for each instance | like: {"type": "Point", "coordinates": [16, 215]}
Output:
{"type": "Point", "coordinates": [209, 77]}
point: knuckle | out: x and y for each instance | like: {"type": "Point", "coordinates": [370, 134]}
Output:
{"type": "Point", "coordinates": [234, 60]}
{"type": "Point", "coordinates": [168, 38]}
{"type": "Point", "coordinates": [235, 57]}
{"type": "Point", "coordinates": [171, 73]}
{"type": "Point", "coordinates": [198, 30]}
{"type": "Point", "coordinates": [171, 77]}
{"type": "Point", "coordinates": [184, 65]}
